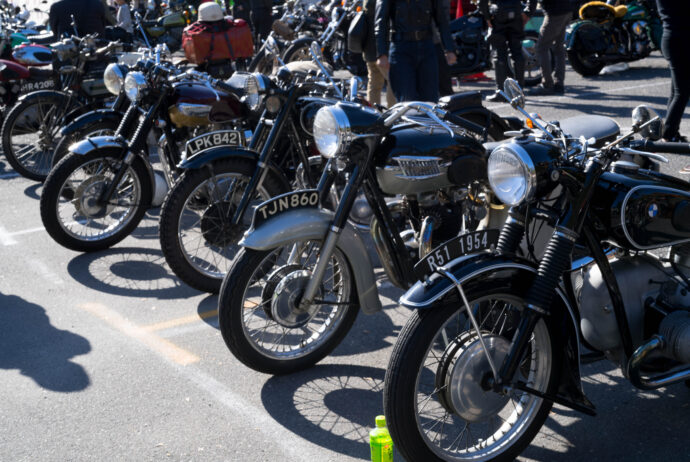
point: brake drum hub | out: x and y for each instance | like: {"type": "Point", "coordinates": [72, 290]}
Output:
{"type": "Point", "coordinates": [286, 297]}
{"type": "Point", "coordinates": [86, 197]}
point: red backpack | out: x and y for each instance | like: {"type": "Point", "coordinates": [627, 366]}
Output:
{"type": "Point", "coordinates": [221, 40]}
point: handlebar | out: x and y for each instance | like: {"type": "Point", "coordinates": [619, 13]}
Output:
{"type": "Point", "coordinates": [660, 146]}
{"type": "Point", "coordinates": [434, 113]}
{"type": "Point", "coordinates": [464, 123]}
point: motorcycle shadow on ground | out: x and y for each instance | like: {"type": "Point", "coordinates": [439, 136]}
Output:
{"type": "Point", "coordinates": [630, 425]}
{"type": "Point", "coordinates": [148, 227]}
{"type": "Point", "coordinates": [332, 406]}
{"type": "Point", "coordinates": [129, 271]}
{"type": "Point", "coordinates": [33, 191]}
{"type": "Point", "coordinates": [40, 351]}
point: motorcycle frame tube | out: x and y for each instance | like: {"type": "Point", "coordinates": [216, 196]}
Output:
{"type": "Point", "coordinates": [260, 171]}
{"type": "Point", "coordinates": [314, 224]}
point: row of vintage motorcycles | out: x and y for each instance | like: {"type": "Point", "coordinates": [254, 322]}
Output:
{"type": "Point", "coordinates": [510, 236]}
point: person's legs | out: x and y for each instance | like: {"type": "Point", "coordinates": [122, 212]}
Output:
{"type": "Point", "coordinates": [547, 35]}
{"type": "Point", "coordinates": [402, 70]}
{"type": "Point", "coordinates": [673, 49]}
{"type": "Point", "coordinates": [558, 49]}
{"type": "Point", "coordinates": [445, 82]}
{"type": "Point", "coordinates": [427, 81]}
{"type": "Point", "coordinates": [375, 83]}
{"type": "Point", "coordinates": [390, 96]}
{"type": "Point", "coordinates": [498, 40]}
{"type": "Point", "coordinates": [515, 45]}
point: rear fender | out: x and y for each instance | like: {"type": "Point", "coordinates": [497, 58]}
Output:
{"type": "Point", "coordinates": [91, 118]}
{"type": "Point", "coordinates": [478, 272]}
{"type": "Point", "coordinates": [572, 31]}
{"type": "Point", "coordinates": [313, 223]}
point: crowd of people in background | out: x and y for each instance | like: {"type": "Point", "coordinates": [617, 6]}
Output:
{"type": "Point", "coordinates": [410, 47]}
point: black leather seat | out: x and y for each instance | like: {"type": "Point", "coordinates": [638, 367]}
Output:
{"type": "Point", "coordinates": [603, 128]}
{"type": "Point", "coordinates": [462, 100]}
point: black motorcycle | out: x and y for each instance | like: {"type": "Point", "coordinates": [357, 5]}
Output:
{"type": "Point", "coordinates": [495, 338]}
{"type": "Point", "coordinates": [96, 195]}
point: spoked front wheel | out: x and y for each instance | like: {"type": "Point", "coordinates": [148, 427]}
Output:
{"type": "Point", "coordinates": [73, 208]}
{"type": "Point", "coordinates": [436, 398]}
{"type": "Point", "coordinates": [260, 315]}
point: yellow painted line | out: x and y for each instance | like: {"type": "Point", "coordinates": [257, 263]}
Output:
{"type": "Point", "coordinates": [164, 347]}
{"type": "Point", "coordinates": [180, 321]}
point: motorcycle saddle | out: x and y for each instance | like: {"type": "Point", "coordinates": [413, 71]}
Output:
{"type": "Point", "coordinates": [459, 101]}
{"type": "Point", "coordinates": [603, 128]}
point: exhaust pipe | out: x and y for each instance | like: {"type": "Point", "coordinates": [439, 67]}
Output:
{"type": "Point", "coordinates": [657, 342]}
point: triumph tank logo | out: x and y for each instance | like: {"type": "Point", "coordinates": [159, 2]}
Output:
{"type": "Point", "coordinates": [653, 210]}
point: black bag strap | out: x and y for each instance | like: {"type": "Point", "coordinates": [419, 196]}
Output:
{"type": "Point", "coordinates": [227, 41]}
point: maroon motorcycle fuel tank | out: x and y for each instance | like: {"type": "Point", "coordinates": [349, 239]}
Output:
{"type": "Point", "coordinates": [194, 104]}
{"type": "Point", "coordinates": [9, 70]}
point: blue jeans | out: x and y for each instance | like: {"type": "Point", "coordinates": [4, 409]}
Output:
{"type": "Point", "coordinates": [414, 71]}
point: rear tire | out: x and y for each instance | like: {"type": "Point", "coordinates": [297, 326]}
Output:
{"type": "Point", "coordinates": [582, 65]}
{"type": "Point", "coordinates": [190, 251]}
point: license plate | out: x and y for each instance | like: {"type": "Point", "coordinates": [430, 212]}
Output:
{"type": "Point", "coordinates": [283, 203]}
{"type": "Point", "coordinates": [213, 139]}
{"type": "Point", "coordinates": [27, 87]}
{"type": "Point", "coordinates": [466, 244]}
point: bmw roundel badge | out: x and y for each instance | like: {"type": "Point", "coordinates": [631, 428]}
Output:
{"type": "Point", "coordinates": [653, 210]}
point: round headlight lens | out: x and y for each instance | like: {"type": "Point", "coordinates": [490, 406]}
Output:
{"type": "Point", "coordinates": [511, 174]}
{"type": "Point", "coordinates": [331, 130]}
{"type": "Point", "coordinates": [114, 78]}
{"type": "Point", "coordinates": [253, 85]}
{"type": "Point", "coordinates": [135, 84]}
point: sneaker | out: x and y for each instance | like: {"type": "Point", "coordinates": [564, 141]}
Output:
{"type": "Point", "coordinates": [541, 90]}
{"type": "Point", "coordinates": [495, 98]}
{"type": "Point", "coordinates": [676, 139]}
{"type": "Point", "coordinates": [559, 89]}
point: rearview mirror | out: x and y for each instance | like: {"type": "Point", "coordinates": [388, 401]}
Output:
{"type": "Point", "coordinates": [316, 52]}
{"type": "Point", "coordinates": [643, 114]}
{"type": "Point", "coordinates": [514, 92]}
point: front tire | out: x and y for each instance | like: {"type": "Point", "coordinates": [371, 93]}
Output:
{"type": "Point", "coordinates": [435, 403]}
{"type": "Point", "coordinates": [197, 241]}
{"type": "Point", "coordinates": [100, 128]}
{"type": "Point", "coordinates": [298, 51]}
{"type": "Point", "coordinates": [259, 321]}
{"type": "Point", "coordinates": [71, 212]}
{"type": "Point", "coordinates": [30, 132]}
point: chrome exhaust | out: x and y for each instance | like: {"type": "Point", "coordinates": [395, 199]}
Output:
{"type": "Point", "coordinates": [425, 243]}
{"type": "Point", "coordinates": [657, 342]}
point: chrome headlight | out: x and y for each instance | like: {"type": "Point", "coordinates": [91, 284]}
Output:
{"type": "Point", "coordinates": [511, 173]}
{"type": "Point", "coordinates": [135, 85]}
{"type": "Point", "coordinates": [254, 88]}
{"type": "Point", "coordinates": [331, 130]}
{"type": "Point", "coordinates": [114, 77]}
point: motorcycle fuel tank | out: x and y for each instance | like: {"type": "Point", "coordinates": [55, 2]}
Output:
{"type": "Point", "coordinates": [642, 209]}
{"type": "Point", "coordinates": [9, 70]}
{"type": "Point", "coordinates": [416, 159]}
{"type": "Point", "coordinates": [32, 55]}
{"type": "Point", "coordinates": [194, 105]}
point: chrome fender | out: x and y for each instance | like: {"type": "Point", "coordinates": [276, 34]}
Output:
{"type": "Point", "coordinates": [478, 271]}
{"type": "Point", "coordinates": [311, 223]}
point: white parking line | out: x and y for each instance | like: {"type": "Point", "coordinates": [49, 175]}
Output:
{"type": "Point", "coordinates": [7, 238]}
{"type": "Point", "coordinates": [45, 272]}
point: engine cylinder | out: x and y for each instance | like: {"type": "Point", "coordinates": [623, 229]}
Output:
{"type": "Point", "coordinates": [675, 328]}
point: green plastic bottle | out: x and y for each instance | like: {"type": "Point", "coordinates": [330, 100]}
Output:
{"type": "Point", "coordinates": [381, 442]}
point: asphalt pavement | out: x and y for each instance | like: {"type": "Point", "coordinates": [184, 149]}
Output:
{"type": "Point", "coordinates": [108, 356]}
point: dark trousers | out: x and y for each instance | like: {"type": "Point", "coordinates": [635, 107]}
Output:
{"type": "Point", "coordinates": [414, 70]}
{"type": "Point", "coordinates": [262, 20]}
{"type": "Point", "coordinates": [673, 46]}
{"type": "Point", "coordinates": [445, 81]}
{"type": "Point", "coordinates": [552, 38]}
{"type": "Point", "coordinates": [507, 37]}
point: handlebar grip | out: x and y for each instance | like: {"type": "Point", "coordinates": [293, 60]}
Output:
{"type": "Point", "coordinates": [661, 146]}
{"type": "Point", "coordinates": [464, 123]}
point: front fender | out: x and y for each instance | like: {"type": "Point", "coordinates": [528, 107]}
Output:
{"type": "Point", "coordinates": [90, 118]}
{"type": "Point", "coordinates": [202, 158]}
{"type": "Point", "coordinates": [84, 147]}
{"type": "Point", "coordinates": [312, 223]}
{"type": "Point", "coordinates": [478, 272]}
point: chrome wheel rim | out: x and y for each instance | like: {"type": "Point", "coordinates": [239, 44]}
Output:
{"type": "Point", "coordinates": [484, 437]}
{"type": "Point", "coordinates": [33, 137]}
{"type": "Point", "coordinates": [79, 214]}
{"type": "Point", "coordinates": [274, 339]}
{"type": "Point", "coordinates": [202, 217]}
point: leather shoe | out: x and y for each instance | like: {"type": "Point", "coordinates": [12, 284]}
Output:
{"type": "Point", "coordinates": [541, 90]}
{"type": "Point", "coordinates": [559, 89]}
